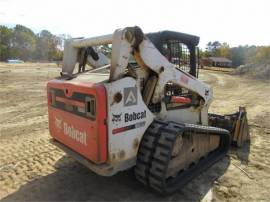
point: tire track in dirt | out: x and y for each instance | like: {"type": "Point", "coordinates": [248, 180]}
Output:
{"type": "Point", "coordinates": [231, 92]}
{"type": "Point", "coordinates": [32, 169]}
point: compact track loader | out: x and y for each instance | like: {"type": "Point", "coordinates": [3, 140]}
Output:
{"type": "Point", "coordinates": [144, 108]}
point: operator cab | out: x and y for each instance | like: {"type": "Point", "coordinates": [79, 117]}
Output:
{"type": "Point", "coordinates": [179, 48]}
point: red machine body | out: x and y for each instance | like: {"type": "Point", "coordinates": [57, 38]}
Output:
{"type": "Point", "coordinates": [77, 117]}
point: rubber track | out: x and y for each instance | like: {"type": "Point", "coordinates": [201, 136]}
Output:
{"type": "Point", "coordinates": [155, 153]}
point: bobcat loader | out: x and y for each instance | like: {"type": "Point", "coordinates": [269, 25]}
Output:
{"type": "Point", "coordinates": [143, 108]}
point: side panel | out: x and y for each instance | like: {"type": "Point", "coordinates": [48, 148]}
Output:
{"type": "Point", "coordinates": [69, 122]}
{"type": "Point", "coordinates": [128, 120]}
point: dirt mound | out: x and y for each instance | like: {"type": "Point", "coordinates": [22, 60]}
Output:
{"type": "Point", "coordinates": [256, 71]}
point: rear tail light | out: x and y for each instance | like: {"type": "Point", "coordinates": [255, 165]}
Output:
{"type": "Point", "coordinates": [51, 97]}
{"type": "Point", "coordinates": [90, 105]}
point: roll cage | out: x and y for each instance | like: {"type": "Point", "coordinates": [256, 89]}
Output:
{"type": "Point", "coordinates": [179, 48]}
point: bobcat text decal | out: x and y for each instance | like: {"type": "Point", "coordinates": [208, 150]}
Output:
{"type": "Point", "coordinates": [135, 116]}
{"type": "Point", "coordinates": [79, 136]}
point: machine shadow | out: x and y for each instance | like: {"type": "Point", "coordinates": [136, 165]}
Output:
{"type": "Point", "coordinates": [74, 182]}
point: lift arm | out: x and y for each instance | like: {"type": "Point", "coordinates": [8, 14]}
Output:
{"type": "Point", "coordinates": [132, 41]}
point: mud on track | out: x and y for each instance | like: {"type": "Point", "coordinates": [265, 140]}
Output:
{"type": "Point", "coordinates": [33, 169]}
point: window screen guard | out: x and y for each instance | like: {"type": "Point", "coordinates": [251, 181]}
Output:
{"type": "Point", "coordinates": [177, 53]}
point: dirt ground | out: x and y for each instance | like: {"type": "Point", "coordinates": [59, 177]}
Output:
{"type": "Point", "coordinates": [31, 169]}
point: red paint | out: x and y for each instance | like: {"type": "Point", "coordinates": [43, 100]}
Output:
{"type": "Point", "coordinates": [96, 130]}
{"type": "Point", "coordinates": [179, 99]}
{"type": "Point", "coordinates": [119, 130]}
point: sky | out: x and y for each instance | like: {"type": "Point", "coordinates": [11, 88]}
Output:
{"type": "Point", "coordinates": [237, 22]}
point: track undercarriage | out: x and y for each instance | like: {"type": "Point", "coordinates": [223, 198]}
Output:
{"type": "Point", "coordinates": [171, 154]}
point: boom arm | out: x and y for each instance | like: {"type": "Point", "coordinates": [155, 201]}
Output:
{"type": "Point", "coordinates": [167, 72]}
{"type": "Point", "coordinates": [131, 40]}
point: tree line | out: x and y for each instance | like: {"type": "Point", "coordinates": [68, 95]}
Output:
{"type": "Point", "coordinates": [239, 55]}
{"type": "Point", "coordinates": [22, 43]}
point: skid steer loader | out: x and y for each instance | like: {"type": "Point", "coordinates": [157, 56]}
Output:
{"type": "Point", "coordinates": [143, 108]}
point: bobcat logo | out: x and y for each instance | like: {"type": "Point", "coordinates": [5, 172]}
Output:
{"type": "Point", "coordinates": [116, 117]}
{"type": "Point", "coordinates": [58, 123]}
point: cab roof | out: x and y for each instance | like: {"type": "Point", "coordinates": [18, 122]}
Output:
{"type": "Point", "coordinates": [158, 37]}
